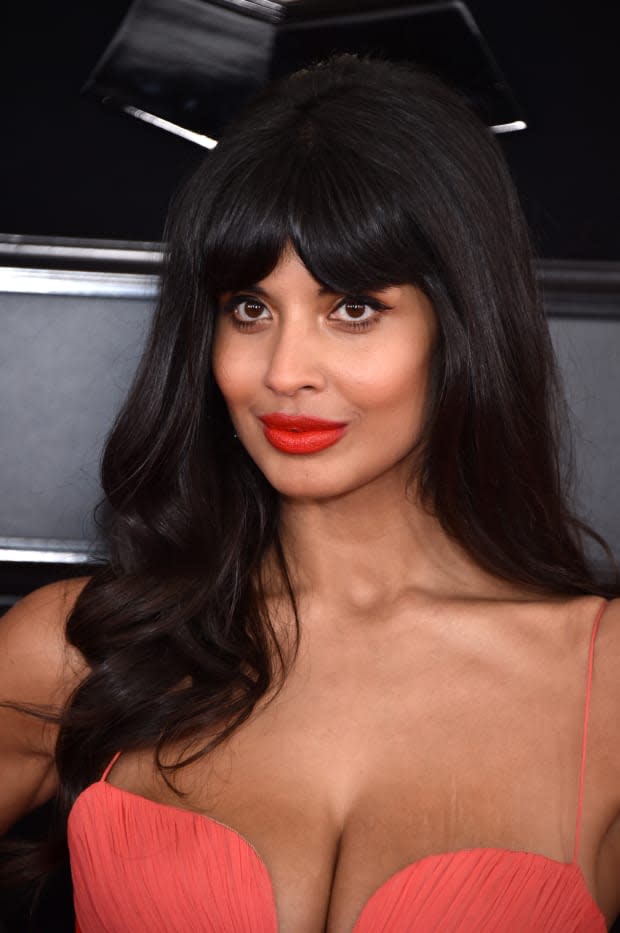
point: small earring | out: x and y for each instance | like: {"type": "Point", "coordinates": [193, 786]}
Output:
{"type": "Point", "coordinates": [235, 435]}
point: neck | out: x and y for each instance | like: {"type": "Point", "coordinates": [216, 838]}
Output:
{"type": "Point", "coordinates": [368, 548]}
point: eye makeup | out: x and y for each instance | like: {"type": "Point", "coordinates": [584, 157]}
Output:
{"type": "Point", "coordinates": [378, 307]}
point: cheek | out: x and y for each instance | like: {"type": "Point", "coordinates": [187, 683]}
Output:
{"type": "Point", "coordinates": [397, 381]}
{"type": "Point", "coordinates": [232, 371]}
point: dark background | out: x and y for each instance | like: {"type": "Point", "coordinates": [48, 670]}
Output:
{"type": "Point", "coordinates": [73, 168]}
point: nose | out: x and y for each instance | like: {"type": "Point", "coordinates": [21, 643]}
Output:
{"type": "Point", "coordinates": [296, 360]}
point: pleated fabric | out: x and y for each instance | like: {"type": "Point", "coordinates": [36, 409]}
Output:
{"type": "Point", "coordinates": [475, 890]}
{"type": "Point", "coordinates": [144, 867]}
{"type": "Point", "coordinates": [141, 866]}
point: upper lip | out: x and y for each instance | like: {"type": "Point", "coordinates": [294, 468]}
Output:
{"type": "Point", "coordinates": [298, 422]}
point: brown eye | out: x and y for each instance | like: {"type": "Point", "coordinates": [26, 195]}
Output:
{"type": "Point", "coordinates": [252, 308]}
{"type": "Point", "coordinates": [358, 309]}
{"type": "Point", "coordinates": [249, 307]}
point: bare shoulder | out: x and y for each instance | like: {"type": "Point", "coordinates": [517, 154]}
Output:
{"type": "Point", "coordinates": [37, 665]}
{"type": "Point", "coordinates": [605, 697]}
{"type": "Point", "coordinates": [606, 667]}
{"type": "Point", "coordinates": [40, 670]}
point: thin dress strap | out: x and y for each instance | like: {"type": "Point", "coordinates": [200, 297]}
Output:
{"type": "Point", "coordinates": [110, 766]}
{"type": "Point", "coordinates": [584, 737]}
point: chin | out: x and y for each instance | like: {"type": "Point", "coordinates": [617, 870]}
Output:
{"type": "Point", "coordinates": [306, 488]}
{"type": "Point", "coordinates": [314, 480]}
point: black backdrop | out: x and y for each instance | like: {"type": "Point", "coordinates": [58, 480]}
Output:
{"type": "Point", "coordinates": [72, 168]}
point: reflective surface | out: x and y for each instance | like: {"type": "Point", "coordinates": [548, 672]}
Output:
{"type": "Point", "coordinates": [193, 64]}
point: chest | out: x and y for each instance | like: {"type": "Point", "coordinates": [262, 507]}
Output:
{"type": "Point", "coordinates": [364, 766]}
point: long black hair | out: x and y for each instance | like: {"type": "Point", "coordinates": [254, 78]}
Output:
{"type": "Point", "coordinates": [378, 174]}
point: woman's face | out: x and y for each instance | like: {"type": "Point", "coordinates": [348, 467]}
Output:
{"type": "Point", "coordinates": [302, 354]}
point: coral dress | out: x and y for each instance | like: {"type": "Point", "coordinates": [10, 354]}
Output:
{"type": "Point", "coordinates": [143, 867]}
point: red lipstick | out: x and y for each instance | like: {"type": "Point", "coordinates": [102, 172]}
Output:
{"type": "Point", "coordinates": [301, 434]}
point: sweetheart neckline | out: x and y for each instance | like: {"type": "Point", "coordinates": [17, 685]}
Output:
{"type": "Point", "coordinates": [451, 853]}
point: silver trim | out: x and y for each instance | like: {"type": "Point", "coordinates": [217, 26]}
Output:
{"type": "Point", "coordinates": [16, 555]}
{"type": "Point", "coordinates": [46, 551]}
{"type": "Point", "coordinates": [509, 127]}
{"type": "Point", "coordinates": [162, 124]}
{"type": "Point", "coordinates": [67, 282]}
{"type": "Point", "coordinates": [589, 290]}
{"type": "Point", "coordinates": [17, 246]}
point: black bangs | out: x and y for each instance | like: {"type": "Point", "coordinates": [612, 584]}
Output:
{"type": "Point", "coordinates": [349, 227]}
{"type": "Point", "coordinates": [345, 222]}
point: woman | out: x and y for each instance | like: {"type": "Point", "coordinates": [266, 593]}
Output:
{"type": "Point", "coordinates": [337, 674]}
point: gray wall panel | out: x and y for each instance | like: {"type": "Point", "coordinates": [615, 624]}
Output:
{"type": "Point", "coordinates": [588, 351]}
{"type": "Point", "coordinates": [66, 361]}
{"type": "Point", "coordinates": [65, 364]}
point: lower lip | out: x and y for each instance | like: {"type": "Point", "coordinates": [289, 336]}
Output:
{"type": "Point", "coordinates": [303, 442]}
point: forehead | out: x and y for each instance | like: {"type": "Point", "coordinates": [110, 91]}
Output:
{"type": "Point", "coordinates": [290, 272]}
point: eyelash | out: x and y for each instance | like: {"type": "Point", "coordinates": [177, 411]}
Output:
{"type": "Point", "coordinates": [349, 325]}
